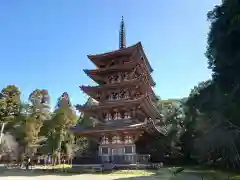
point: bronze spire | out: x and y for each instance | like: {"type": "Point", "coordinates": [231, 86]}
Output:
{"type": "Point", "coordinates": [122, 35]}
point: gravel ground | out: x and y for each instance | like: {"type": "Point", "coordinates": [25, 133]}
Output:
{"type": "Point", "coordinates": [31, 176]}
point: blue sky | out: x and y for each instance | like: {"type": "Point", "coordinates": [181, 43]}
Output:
{"type": "Point", "coordinates": [43, 44]}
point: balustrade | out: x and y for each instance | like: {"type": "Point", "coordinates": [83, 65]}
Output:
{"type": "Point", "coordinates": [105, 140]}
{"type": "Point", "coordinates": [118, 115]}
{"type": "Point", "coordinates": [127, 140]}
{"type": "Point", "coordinates": [123, 95]}
{"type": "Point", "coordinates": [117, 78]}
{"type": "Point", "coordinates": [118, 96]}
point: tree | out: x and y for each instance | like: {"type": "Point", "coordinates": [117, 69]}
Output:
{"type": "Point", "coordinates": [208, 123]}
{"type": "Point", "coordinates": [223, 53]}
{"type": "Point", "coordinates": [213, 105]}
{"type": "Point", "coordinates": [9, 106]}
{"type": "Point", "coordinates": [223, 45]}
{"type": "Point", "coordinates": [38, 110]}
{"type": "Point", "coordinates": [87, 145]}
{"type": "Point", "coordinates": [218, 104]}
{"type": "Point", "coordinates": [85, 119]}
{"type": "Point", "coordinates": [159, 145]}
{"type": "Point", "coordinates": [64, 117]}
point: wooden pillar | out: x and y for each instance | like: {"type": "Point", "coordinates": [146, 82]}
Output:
{"type": "Point", "coordinates": [99, 150]}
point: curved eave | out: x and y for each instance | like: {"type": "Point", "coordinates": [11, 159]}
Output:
{"type": "Point", "coordinates": [87, 89]}
{"type": "Point", "coordinates": [146, 66]}
{"type": "Point", "coordinates": [154, 116]}
{"type": "Point", "coordinates": [151, 108]}
{"type": "Point", "coordinates": [129, 83]}
{"type": "Point", "coordinates": [100, 71]}
{"type": "Point", "coordinates": [124, 51]}
{"type": "Point", "coordinates": [87, 131]}
{"type": "Point", "coordinates": [145, 57]}
{"type": "Point", "coordinates": [96, 74]}
{"type": "Point", "coordinates": [152, 81]}
{"type": "Point", "coordinates": [143, 68]}
{"type": "Point", "coordinates": [160, 129]}
{"type": "Point", "coordinates": [91, 90]}
{"type": "Point", "coordinates": [94, 77]}
{"type": "Point", "coordinates": [114, 104]}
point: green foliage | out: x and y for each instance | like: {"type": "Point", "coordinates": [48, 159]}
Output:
{"type": "Point", "coordinates": [223, 44]}
{"type": "Point", "coordinates": [35, 128]}
{"type": "Point", "coordinates": [85, 120]}
{"type": "Point", "coordinates": [9, 106]}
{"type": "Point", "coordinates": [57, 129]}
{"type": "Point", "coordinates": [36, 112]}
{"type": "Point", "coordinates": [9, 103]}
{"type": "Point", "coordinates": [216, 104]}
{"type": "Point", "coordinates": [161, 145]}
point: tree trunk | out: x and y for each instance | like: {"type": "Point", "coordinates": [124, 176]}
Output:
{"type": "Point", "coordinates": [60, 145]}
{"type": "Point", "coordinates": [54, 159]}
{"type": "Point", "coordinates": [1, 135]}
{"type": "Point", "coordinates": [59, 152]}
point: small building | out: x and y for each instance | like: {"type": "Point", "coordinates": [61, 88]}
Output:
{"type": "Point", "coordinates": [125, 102]}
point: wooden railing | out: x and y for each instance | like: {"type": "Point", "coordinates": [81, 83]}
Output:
{"type": "Point", "coordinates": [126, 159]}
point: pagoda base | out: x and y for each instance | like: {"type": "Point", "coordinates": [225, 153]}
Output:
{"type": "Point", "coordinates": [125, 159]}
{"type": "Point", "coordinates": [116, 159]}
{"type": "Point", "coordinates": [119, 159]}
{"type": "Point", "coordinates": [121, 154]}
{"type": "Point", "coordinates": [118, 153]}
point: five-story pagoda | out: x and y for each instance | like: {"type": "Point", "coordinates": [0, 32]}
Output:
{"type": "Point", "coordinates": [124, 108]}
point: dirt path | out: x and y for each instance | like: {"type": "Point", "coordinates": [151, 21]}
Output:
{"type": "Point", "coordinates": [27, 176]}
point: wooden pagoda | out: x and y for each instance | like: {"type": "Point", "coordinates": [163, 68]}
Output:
{"type": "Point", "coordinates": [125, 102]}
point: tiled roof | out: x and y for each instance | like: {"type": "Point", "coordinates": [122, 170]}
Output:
{"type": "Point", "coordinates": [110, 126]}
{"type": "Point", "coordinates": [108, 54]}
{"type": "Point", "coordinates": [128, 50]}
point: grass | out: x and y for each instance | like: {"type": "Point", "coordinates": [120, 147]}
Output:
{"type": "Point", "coordinates": [197, 173]}
{"type": "Point", "coordinates": [188, 173]}
{"type": "Point", "coordinates": [62, 166]}
{"type": "Point", "coordinates": [133, 173]}
{"type": "Point", "coordinates": [58, 166]}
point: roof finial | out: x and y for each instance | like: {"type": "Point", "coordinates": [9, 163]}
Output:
{"type": "Point", "coordinates": [122, 35]}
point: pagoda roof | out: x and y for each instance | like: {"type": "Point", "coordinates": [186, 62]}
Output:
{"type": "Point", "coordinates": [96, 74]}
{"type": "Point", "coordinates": [111, 86]}
{"type": "Point", "coordinates": [98, 58]}
{"type": "Point", "coordinates": [150, 107]}
{"type": "Point", "coordinates": [144, 101]}
{"type": "Point", "coordinates": [106, 70]}
{"type": "Point", "coordinates": [110, 104]}
{"type": "Point", "coordinates": [116, 126]}
{"type": "Point", "coordinates": [91, 90]}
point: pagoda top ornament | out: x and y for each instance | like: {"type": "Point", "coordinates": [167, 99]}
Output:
{"type": "Point", "coordinates": [122, 35]}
